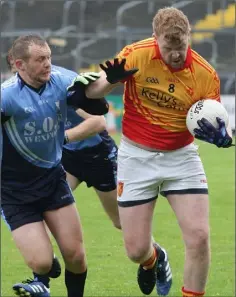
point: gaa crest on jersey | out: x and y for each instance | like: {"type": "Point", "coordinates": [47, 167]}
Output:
{"type": "Point", "coordinates": [120, 188]}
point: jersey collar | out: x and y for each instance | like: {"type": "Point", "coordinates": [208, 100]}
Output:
{"type": "Point", "coordinates": [187, 63]}
{"type": "Point", "coordinates": [23, 83]}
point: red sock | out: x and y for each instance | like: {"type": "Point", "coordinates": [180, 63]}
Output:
{"type": "Point", "coordinates": [149, 264]}
{"type": "Point", "coordinates": [187, 293]}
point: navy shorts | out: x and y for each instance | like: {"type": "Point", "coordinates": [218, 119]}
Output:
{"type": "Point", "coordinates": [23, 206]}
{"type": "Point", "coordinates": [97, 166]}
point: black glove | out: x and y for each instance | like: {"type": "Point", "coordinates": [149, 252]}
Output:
{"type": "Point", "coordinates": [209, 133]}
{"type": "Point", "coordinates": [116, 72]}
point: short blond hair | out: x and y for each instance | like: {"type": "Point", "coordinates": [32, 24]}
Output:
{"type": "Point", "coordinates": [172, 22]}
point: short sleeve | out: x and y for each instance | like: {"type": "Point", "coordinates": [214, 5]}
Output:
{"type": "Point", "coordinates": [213, 87]}
{"type": "Point", "coordinates": [63, 76]}
{"type": "Point", "coordinates": [6, 106]}
{"type": "Point", "coordinates": [67, 79]}
{"type": "Point", "coordinates": [127, 53]}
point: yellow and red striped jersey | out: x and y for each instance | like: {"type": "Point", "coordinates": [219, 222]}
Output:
{"type": "Point", "coordinates": [157, 98]}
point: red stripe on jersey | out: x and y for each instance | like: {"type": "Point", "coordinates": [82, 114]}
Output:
{"type": "Point", "coordinates": [202, 60]}
{"type": "Point", "coordinates": [144, 46]}
{"type": "Point", "coordinates": [144, 43]}
{"type": "Point", "coordinates": [138, 129]}
{"type": "Point", "coordinates": [150, 40]}
{"type": "Point", "coordinates": [202, 64]}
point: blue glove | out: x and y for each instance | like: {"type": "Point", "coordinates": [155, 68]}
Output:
{"type": "Point", "coordinates": [209, 133]}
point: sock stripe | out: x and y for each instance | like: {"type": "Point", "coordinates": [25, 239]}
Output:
{"type": "Point", "coordinates": [187, 293]}
{"type": "Point", "coordinates": [151, 261]}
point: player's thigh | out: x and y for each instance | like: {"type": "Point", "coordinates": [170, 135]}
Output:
{"type": "Point", "coordinates": [103, 177]}
{"type": "Point", "coordinates": [136, 225]}
{"type": "Point", "coordinates": [138, 177]}
{"type": "Point", "coordinates": [26, 224]}
{"type": "Point", "coordinates": [61, 216]}
{"type": "Point", "coordinates": [72, 181]}
{"type": "Point", "coordinates": [187, 192]}
{"type": "Point", "coordinates": [109, 203]}
{"type": "Point", "coordinates": [65, 226]}
{"type": "Point", "coordinates": [192, 213]}
{"type": "Point", "coordinates": [34, 244]}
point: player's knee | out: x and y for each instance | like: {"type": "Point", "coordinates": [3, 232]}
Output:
{"type": "Point", "coordinates": [75, 256]}
{"type": "Point", "coordinates": [136, 252]}
{"type": "Point", "coordinates": [40, 265]}
{"type": "Point", "coordinates": [198, 239]}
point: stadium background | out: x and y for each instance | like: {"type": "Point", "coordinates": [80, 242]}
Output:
{"type": "Point", "coordinates": [84, 33]}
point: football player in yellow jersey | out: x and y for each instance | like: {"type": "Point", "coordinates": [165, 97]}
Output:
{"type": "Point", "coordinates": [164, 77]}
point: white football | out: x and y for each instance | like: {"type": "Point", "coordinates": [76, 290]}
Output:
{"type": "Point", "coordinates": [208, 109]}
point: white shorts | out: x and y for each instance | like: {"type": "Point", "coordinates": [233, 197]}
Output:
{"type": "Point", "coordinates": [143, 174]}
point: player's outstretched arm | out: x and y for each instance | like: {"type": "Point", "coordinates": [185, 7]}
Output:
{"type": "Point", "coordinates": [221, 137]}
{"type": "Point", "coordinates": [77, 98]}
{"type": "Point", "coordinates": [113, 73]}
{"type": "Point", "coordinates": [90, 127]}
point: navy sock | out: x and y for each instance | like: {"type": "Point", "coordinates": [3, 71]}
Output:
{"type": "Point", "coordinates": [42, 278]}
{"type": "Point", "coordinates": [75, 283]}
{"type": "Point", "coordinates": [55, 269]}
{"type": "Point", "coordinates": [53, 273]}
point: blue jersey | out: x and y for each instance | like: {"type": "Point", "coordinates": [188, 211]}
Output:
{"type": "Point", "coordinates": [64, 71]}
{"type": "Point", "coordinates": [73, 120]}
{"type": "Point", "coordinates": [36, 124]}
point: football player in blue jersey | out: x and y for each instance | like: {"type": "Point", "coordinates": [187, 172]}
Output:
{"type": "Point", "coordinates": [88, 150]}
{"type": "Point", "coordinates": [90, 155]}
{"type": "Point", "coordinates": [91, 158]}
{"type": "Point", "coordinates": [34, 187]}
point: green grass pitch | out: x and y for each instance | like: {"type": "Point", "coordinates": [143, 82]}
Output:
{"type": "Point", "coordinates": [110, 273]}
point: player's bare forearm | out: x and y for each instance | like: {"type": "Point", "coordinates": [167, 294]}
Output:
{"type": "Point", "coordinates": [114, 72]}
{"type": "Point", "coordinates": [99, 88]}
{"type": "Point", "coordinates": [85, 115]}
{"type": "Point", "coordinates": [90, 127]}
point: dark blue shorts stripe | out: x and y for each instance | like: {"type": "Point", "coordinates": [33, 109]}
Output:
{"type": "Point", "coordinates": [185, 191]}
{"type": "Point", "coordinates": [4, 219]}
{"type": "Point", "coordinates": [134, 203]}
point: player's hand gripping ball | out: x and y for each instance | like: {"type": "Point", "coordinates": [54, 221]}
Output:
{"type": "Point", "coordinates": [207, 120]}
